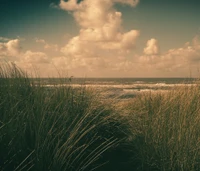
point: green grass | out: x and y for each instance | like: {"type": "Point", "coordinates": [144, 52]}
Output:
{"type": "Point", "coordinates": [64, 128]}
{"type": "Point", "coordinates": [71, 129]}
{"type": "Point", "coordinates": [166, 130]}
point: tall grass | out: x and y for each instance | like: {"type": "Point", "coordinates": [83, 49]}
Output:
{"type": "Point", "coordinates": [166, 130]}
{"type": "Point", "coordinates": [71, 129]}
{"type": "Point", "coordinates": [62, 128]}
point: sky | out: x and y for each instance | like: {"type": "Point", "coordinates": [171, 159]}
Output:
{"type": "Point", "coordinates": [102, 38]}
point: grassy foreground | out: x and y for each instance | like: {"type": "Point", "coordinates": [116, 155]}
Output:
{"type": "Point", "coordinates": [167, 129]}
{"type": "Point", "coordinates": [71, 129]}
{"type": "Point", "coordinates": [60, 129]}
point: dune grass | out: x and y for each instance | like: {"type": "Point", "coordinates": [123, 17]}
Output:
{"type": "Point", "coordinates": [62, 128]}
{"type": "Point", "coordinates": [166, 130]}
{"type": "Point", "coordinates": [71, 129]}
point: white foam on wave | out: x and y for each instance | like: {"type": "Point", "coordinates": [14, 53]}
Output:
{"type": "Point", "coordinates": [133, 87]}
{"type": "Point", "coordinates": [143, 90]}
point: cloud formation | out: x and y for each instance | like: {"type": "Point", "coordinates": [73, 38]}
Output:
{"type": "Point", "coordinates": [28, 60]}
{"type": "Point", "coordinates": [174, 59]}
{"type": "Point", "coordinates": [34, 57]}
{"type": "Point", "coordinates": [10, 49]}
{"type": "Point", "coordinates": [101, 34]}
{"type": "Point", "coordinates": [102, 46]}
{"type": "Point", "coordinates": [72, 5]}
{"type": "Point", "coordinates": [152, 47]}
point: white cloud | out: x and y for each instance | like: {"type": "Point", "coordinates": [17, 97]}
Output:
{"type": "Point", "coordinates": [72, 5]}
{"type": "Point", "coordinates": [100, 36]}
{"type": "Point", "coordinates": [174, 59]}
{"type": "Point", "coordinates": [10, 49]}
{"type": "Point", "coordinates": [35, 63]}
{"type": "Point", "coordinates": [61, 62]}
{"type": "Point", "coordinates": [34, 57]}
{"type": "Point", "coordinates": [129, 39]}
{"type": "Point", "coordinates": [152, 47]}
{"type": "Point", "coordinates": [51, 47]}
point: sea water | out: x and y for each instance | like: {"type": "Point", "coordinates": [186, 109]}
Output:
{"type": "Point", "coordinates": [123, 88]}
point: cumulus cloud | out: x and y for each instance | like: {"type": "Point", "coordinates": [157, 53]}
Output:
{"type": "Point", "coordinates": [101, 33]}
{"type": "Point", "coordinates": [10, 49]}
{"type": "Point", "coordinates": [35, 63]}
{"type": "Point", "coordinates": [129, 38]}
{"type": "Point", "coordinates": [77, 48]}
{"type": "Point", "coordinates": [62, 62]}
{"type": "Point", "coordinates": [34, 57]}
{"type": "Point", "coordinates": [152, 47]}
{"type": "Point", "coordinates": [72, 5]}
{"type": "Point", "coordinates": [173, 59]}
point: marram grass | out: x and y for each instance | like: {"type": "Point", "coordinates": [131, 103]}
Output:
{"type": "Point", "coordinates": [64, 128]}
{"type": "Point", "coordinates": [72, 129]}
{"type": "Point", "coordinates": [166, 130]}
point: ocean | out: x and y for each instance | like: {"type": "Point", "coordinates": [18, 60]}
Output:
{"type": "Point", "coordinates": [122, 88]}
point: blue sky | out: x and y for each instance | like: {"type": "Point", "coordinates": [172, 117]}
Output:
{"type": "Point", "coordinates": [102, 38]}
